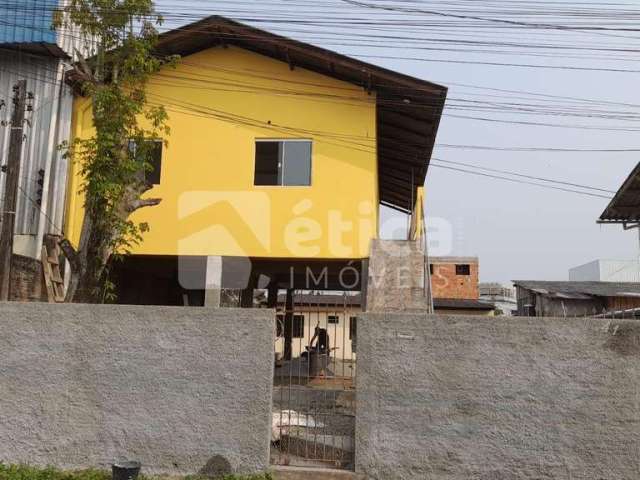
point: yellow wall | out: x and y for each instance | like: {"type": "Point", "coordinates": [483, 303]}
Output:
{"type": "Point", "coordinates": [219, 102]}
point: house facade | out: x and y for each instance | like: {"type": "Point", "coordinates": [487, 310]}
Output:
{"type": "Point", "coordinates": [455, 286]}
{"type": "Point", "coordinates": [279, 158]}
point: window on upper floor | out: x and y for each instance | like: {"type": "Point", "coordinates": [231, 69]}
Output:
{"type": "Point", "coordinates": [153, 174]}
{"type": "Point", "coordinates": [283, 163]}
{"type": "Point", "coordinates": [463, 269]}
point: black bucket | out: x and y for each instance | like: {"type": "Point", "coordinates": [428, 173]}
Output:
{"type": "Point", "coordinates": [126, 470]}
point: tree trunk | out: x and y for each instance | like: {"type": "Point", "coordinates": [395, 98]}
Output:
{"type": "Point", "coordinates": [89, 262]}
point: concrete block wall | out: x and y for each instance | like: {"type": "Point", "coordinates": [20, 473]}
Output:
{"type": "Point", "coordinates": [176, 388]}
{"type": "Point", "coordinates": [442, 397]}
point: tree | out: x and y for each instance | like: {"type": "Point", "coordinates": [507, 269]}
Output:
{"type": "Point", "coordinates": [113, 161]}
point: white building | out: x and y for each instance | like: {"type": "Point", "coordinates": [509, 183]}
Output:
{"type": "Point", "coordinates": [607, 271]}
{"type": "Point", "coordinates": [502, 296]}
{"type": "Point", "coordinates": [32, 51]}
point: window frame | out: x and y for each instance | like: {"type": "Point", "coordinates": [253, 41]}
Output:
{"type": "Point", "coordinates": [466, 267]}
{"type": "Point", "coordinates": [330, 319]}
{"type": "Point", "coordinates": [283, 141]}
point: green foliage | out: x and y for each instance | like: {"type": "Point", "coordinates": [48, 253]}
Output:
{"type": "Point", "coordinates": [115, 77]}
{"type": "Point", "coordinates": [23, 472]}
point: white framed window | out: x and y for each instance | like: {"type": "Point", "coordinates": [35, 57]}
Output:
{"type": "Point", "coordinates": [285, 163]}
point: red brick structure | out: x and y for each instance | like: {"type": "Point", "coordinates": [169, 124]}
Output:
{"type": "Point", "coordinates": [455, 277]}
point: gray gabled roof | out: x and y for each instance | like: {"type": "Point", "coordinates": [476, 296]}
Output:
{"type": "Point", "coordinates": [625, 206]}
{"type": "Point", "coordinates": [581, 290]}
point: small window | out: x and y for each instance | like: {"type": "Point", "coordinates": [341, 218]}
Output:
{"type": "Point", "coordinates": [463, 270]}
{"type": "Point", "coordinates": [283, 163]}
{"type": "Point", "coordinates": [333, 319]}
{"type": "Point", "coordinates": [154, 159]}
{"type": "Point", "coordinates": [431, 269]}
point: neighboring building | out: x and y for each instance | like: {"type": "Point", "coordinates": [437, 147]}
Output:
{"type": "Point", "coordinates": [455, 277]}
{"type": "Point", "coordinates": [279, 157]}
{"type": "Point", "coordinates": [337, 313]}
{"type": "Point", "coordinates": [31, 50]}
{"type": "Point", "coordinates": [333, 312]}
{"type": "Point", "coordinates": [454, 283]}
{"type": "Point", "coordinates": [574, 299]}
{"type": "Point", "coordinates": [502, 296]}
{"type": "Point", "coordinates": [606, 271]}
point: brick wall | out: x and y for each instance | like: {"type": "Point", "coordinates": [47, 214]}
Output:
{"type": "Point", "coordinates": [27, 281]}
{"type": "Point", "coordinates": [447, 284]}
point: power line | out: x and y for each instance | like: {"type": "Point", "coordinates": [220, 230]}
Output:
{"type": "Point", "coordinates": [513, 180]}
{"type": "Point", "coordinates": [521, 175]}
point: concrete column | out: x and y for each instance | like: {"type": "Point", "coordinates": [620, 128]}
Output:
{"type": "Point", "coordinates": [213, 287]}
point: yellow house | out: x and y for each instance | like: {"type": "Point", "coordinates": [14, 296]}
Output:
{"type": "Point", "coordinates": [279, 158]}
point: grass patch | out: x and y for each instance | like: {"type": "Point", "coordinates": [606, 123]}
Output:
{"type": "Point", "coordinates": [25, 472]}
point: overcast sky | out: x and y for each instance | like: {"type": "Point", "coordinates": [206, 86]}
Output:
{"type": "Point", "coordinates": [518, 231]}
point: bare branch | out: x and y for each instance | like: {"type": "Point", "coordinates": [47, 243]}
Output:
{"type": "Point", "coordinates": [143, 203]}
{"type": "Point", "coordinates": [69, 252]}
{"type": "Point", "coordinates": [84, 65]}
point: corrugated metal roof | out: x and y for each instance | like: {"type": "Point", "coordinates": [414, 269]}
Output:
{"type": "Point", "coordinates": [580, 290]}
{"type": "Point", "coordinates": [461, 304]}
{"type": "Point", "coordinates": [625, 206]}
{"type": "Point", "coordinates": [327, 300]}
{"type": "Point", "coordinates": [27, 21]}
{"type": "Point", "coordinates": [40, 142]}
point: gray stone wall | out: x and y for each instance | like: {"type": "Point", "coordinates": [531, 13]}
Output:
{"type": "Point", "coordinates": [497, 398]}
{"type": "Point", "coordinates": [176, 388]}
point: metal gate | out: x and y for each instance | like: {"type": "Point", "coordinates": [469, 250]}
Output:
{"type": "Point", "coordinates": [314, 381]}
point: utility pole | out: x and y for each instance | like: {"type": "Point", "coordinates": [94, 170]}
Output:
{"type": "Point", "coordinates": [11, 187]}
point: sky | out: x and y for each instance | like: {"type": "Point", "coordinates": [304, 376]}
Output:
{"type": "Point", "coordinates": [518, 231]}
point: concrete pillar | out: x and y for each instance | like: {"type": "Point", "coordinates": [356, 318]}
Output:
{"type": "Point", "coordinates": [213, 287]}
